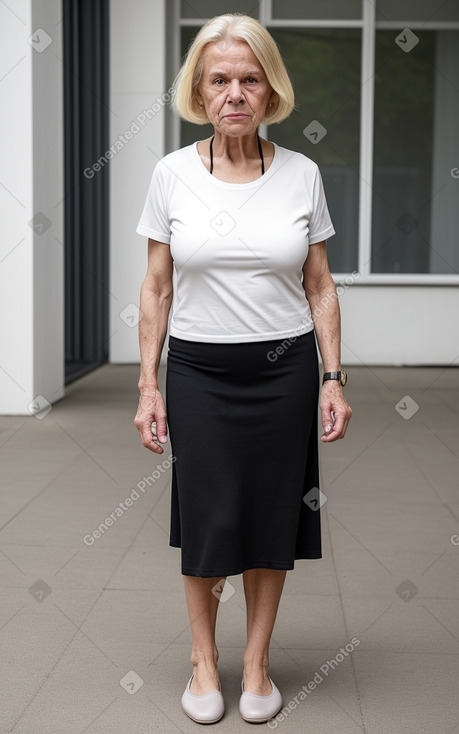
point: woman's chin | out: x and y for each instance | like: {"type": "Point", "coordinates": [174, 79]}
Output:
{"type": "Point", "coordinates": [235, 128]}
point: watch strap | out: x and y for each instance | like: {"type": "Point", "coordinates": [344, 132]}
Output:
{"type": "Point", "coordinates": [334, 376]}
{"type": "Point", "coordinates": [331, 376]}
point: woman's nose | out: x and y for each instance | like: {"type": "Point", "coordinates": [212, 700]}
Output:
{"type": "Point", "coordinates": [235, 91]}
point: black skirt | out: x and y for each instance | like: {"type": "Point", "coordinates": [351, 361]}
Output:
{"type": "Point", "coordinates": [243, 429]}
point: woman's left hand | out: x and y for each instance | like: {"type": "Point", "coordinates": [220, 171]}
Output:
{"type": "Point", "coordinates": [336, 411]}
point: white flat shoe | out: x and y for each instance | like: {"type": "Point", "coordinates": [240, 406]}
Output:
{"type": "Point", "coordinates": [206, 709]}
{"type": "Point", "coordinates": [257, 709]}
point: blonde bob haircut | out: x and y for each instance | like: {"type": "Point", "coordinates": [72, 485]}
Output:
{"type": "Point", "coordinates": [233, 26]}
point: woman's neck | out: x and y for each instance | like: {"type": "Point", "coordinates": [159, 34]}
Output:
{"type": "Point", "coordinates": [237, 150]}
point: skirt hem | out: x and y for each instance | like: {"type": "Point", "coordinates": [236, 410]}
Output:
{"type": "Point", "coordinates": [214, 573]}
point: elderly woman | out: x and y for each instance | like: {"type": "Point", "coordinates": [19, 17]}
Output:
{"type": "Point", "coordinates": [243, 223]}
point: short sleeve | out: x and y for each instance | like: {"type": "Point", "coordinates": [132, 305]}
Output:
{"type": "Point", "coordinates": [320, 224]}
{"type": "Point", "coordinates": [154, 221]}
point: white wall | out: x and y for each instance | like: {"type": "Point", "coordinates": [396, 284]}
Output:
{"type": "Point", "coordinates": [400, 325]}
{"type": "Point", "coordinates": [31, 262]}
{"type": "Point", "coordinates": [137, 79]}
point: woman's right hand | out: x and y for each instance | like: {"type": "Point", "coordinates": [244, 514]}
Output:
{"type": "Point", "coordinates": [150, 411]}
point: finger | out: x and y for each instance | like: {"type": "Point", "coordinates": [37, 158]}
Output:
{"type": "Point", "coordinates": [339, 425]}
{"type": "Point", "coordinates": [157, 436]}
{"type": "Point", "coordinates": [330, 429]}
{"type": "Point", "coordinates": [327, 421]}
{"type": "Point", "coordinates": [152, 445]}
{"type": "Point", "coordinates": [328, 426]}
{"type": "Point", "coordinates": [347, 418]}
{"type": "Point", "coordinates": [338, 430]}
{"type": "Point", "coordinates": [329, 437]}
{"type": "Point", "coordinates": [149, 440]}
{"type": "Point", "coordinates": [161, 428]}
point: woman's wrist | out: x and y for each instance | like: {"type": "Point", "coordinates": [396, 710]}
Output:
{"type": "Point", "coordinates": [147, 386]}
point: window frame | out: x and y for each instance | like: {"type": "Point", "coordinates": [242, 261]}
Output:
{"type": "Point", "coordinates": [368, 26]}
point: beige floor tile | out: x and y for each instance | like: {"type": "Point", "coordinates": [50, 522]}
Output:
{"type": "Point", "coordinates": [418, 625]}
{"type": "Point", "coordinates": [408, 693]}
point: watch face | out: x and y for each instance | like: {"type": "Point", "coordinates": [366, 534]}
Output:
{"type": "Point", "coordinates": [343, 377]}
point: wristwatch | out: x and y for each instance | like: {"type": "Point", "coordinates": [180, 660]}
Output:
{"type": "Point", "coordinates": [341, 376]}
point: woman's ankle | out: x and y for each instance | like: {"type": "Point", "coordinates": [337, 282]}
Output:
{"type": "Point", "coordinates": [255, 663]}
{"type": "Point", "coordinates": [205, 658]}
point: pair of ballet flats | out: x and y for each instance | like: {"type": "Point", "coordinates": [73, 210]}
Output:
{"type": "Point", "coordinates": [210, 707]}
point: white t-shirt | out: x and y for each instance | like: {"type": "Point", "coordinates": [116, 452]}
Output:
{"type": "Point", "coordinates": [238, 248]}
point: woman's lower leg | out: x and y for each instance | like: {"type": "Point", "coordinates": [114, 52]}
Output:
{"type": "Point", "coordinates": [263, 589]}
{"type": "Point", "coordinates": [202, 604]}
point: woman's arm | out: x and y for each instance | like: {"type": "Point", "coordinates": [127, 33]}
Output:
{"type": "Point", "coordinates": [321, 293]}
{"type": "Point", "coordinates": [155, 302]}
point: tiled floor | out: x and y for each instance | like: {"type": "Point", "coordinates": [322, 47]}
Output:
{"type": "Point", "coordinates": [76, 619]}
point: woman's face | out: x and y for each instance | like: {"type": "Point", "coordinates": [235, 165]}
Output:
{"type": "Point", "coordinates": [233, 88]}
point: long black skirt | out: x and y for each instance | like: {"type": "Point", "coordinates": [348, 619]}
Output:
{"type": "Point", "coordinates": [243, 429]}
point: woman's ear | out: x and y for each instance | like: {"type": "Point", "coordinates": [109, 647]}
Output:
{"type": "Point", "coordinates": [199, 100]}
{"type": "Point", "coordinates": [273, 101]}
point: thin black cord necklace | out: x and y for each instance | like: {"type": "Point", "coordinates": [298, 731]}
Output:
{"type": "Point", "coordinates": [260, 150]}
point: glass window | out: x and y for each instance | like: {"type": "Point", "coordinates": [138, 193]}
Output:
{"type": "Point", "coordinates": [208, 8]}
{"type": "Point", "coordinates": [415, 213]}
{"type": "Point", "coordinates": [415, 180]}
{"type": "Point", "coordinates": [324, 65]}
{"type": "Point", "coordinates": [417, 10]}
{"type": "Point", "coordinates": [317, 9]}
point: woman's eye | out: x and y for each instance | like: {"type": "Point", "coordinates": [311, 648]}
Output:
{"type": "Point", "coordinates": [217, 82]}
{"type": "Point", "coordinates": [251, 79]}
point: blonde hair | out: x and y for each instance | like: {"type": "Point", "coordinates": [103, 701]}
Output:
{"type": "Point", "coordinates": [234, 26]}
